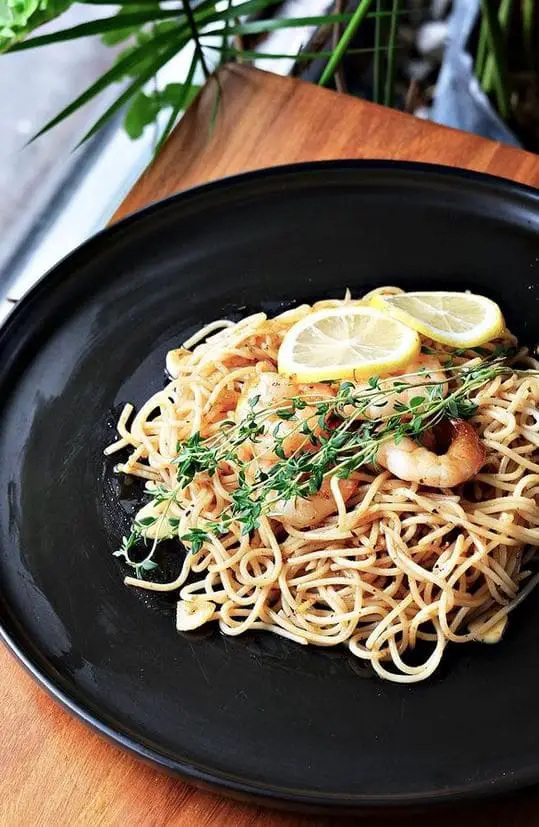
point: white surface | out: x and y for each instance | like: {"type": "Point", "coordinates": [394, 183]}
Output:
{"type": "Point", "coordinates": [289, 41]}
{"type": "Point", "coordinates": [5, 309]}
{"type": "Point", "coordinates": [107, 182]}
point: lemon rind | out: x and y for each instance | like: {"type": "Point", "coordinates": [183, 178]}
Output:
{"type": "Point", "coordinates": [494, 324]}
{"type": "Point", "coordinates": [288, 366]}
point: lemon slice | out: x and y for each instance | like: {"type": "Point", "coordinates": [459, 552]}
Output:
{"type": "Point", "coordinates": [345, 343]}
{"type": "Point", "coordinates": [457, 319]}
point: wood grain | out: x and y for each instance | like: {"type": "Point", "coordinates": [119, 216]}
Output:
{"type": "Point", "coordinates": [265, 120]}
{"type": "Point", "coordinates": [55, 771]}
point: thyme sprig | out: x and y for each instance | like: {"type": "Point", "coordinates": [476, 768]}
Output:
{"type": "Point", "coordinates": [341, 435]}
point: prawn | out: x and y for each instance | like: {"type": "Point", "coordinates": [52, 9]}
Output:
{"type": "Point", "coordinates": [415, 463]}
{"type": "Point", "coordinates": [271, 390]}
{"type": "Point", "coordinates": [302, 513]}
{"type": "Point", "coordinates": [422, 369]}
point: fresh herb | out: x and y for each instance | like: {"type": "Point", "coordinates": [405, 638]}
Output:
{"type": "Point", "coordinates": [340, 434]}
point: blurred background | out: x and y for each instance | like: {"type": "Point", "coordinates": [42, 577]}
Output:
{"type": "Point", "coordinates": [470, 64]}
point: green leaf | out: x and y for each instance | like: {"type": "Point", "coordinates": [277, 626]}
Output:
{"type": "Point", "coordinates": [145, 108]}
{"type": "Point", "coordinates": [145, 3]}
{"type": "Point", "coordinates": [258, 26]}
{"type": "Point", "coordinates": [498, 53]}
{"type": "Point", "coordinates": [128, 61]}
{"type": "Point", "coordinates": [114, 29]}
{"type": "Point", "coordinates": [181, 93]}
{"type": "Point", "coordinates": [452, 407]}
{"type": "Point", "coordinates": [528, 14]}
{"type": "Point", "coordinates": [126, 96]}
{"type": "Point", "coordinates": [142, 111]}
{"type": "Point", "coordinates": [392, 42]}
{"type": "Point", "coordinates": [19, 17]}
{"type": "Point", "coordinates": [148, 565]}
{"type": "Point", "coordinates": [346, 37]}
{"type": "Point", "coordinates": [127, 26]}
{"type": "Point", "coordinates": [147, 521]}
{"type": "Point", "coordinates": [247, 54]}
{"type": "Point", "coordinates": [416, 401]}
{"type": "Point", "coordinates": [504, 13]}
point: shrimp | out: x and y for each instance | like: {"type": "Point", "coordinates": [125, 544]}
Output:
{"type": "Point", "coordinates": [271, 390]}
{"type": "Point", "coordinates": [423, 369]}
{"type": "Point", "coordinates": [302, 513]}
{"type": "Point", "coordinates": [415, 463]}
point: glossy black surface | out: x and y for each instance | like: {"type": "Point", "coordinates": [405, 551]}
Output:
{"type": "Point", "coordinates": [256, 714]}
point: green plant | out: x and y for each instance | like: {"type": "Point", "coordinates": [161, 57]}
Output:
{"type": "Point", "coordinates": [492, 57]}
{"type": "Point", "coordinates": [154, 31]}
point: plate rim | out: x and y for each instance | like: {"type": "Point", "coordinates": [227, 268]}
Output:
{"type": "Point", "coordinates": [258, 792]}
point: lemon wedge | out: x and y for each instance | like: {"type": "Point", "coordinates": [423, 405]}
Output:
{"type": "Point", "coordinates": [455, 319]}
{"type": "Point", "coordinates": [345, 343]}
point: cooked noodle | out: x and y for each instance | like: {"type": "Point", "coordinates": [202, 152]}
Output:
{"type": "Point", "coordinates": [395, 564]}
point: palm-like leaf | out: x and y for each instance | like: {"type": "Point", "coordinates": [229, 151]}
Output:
{"type": "Point", "coordinates": [96, 27]}
{"type": "Point", "coordinates": [155, 30]}
{"type": "Point", "coordinates": [169, 42]}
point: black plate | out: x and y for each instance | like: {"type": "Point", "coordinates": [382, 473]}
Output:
{"type": "Point", "coordinates": [257, 715]}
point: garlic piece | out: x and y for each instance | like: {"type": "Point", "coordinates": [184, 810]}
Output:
{"type": "Point", "coordinates": [190, 614]}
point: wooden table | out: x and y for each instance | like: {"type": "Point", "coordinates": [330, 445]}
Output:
{"type": "Point", "coordinates": [55, 771]}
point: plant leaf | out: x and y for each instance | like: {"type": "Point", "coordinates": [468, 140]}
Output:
{"type": "Point", "coordinates": [497, 51]}
{"type": "Point", "coordinates": [18, 19]}
{"type": "Point", "coordinates": [527, 14]}
{"type": "Point", "coordinates": [120, 2]}
{"type": "Point", "coordinates": [242, 9]}
{"type": "Point", "coordinates": [195, 35]}
{"type": "Point", "coordinates": [127, 28]}
{"type": "Point", "coordinates": [248, 54]}
{"type": "Point", "coordinates": [116, 72]}
{"type": "Point", "coordinates": [142, 111]}
{"type": "Point", "coordinates": [391, 44]}
{"type": "Point", "coordinates": [377, 60]}
{"type": "Point", "coordinates": [184, 97]}
{"type": "Point", "coordinates": [258, 26]}
{"type": "Point", "coordinates": [145, 108]}
{"type": "Point", "coordinates": [163, 58]}
{"type": "Point", "coordinates": [504, 13]}
{"type": "Point", "coordinates": [346, 37]}
{"type": "Point", "coordinates": [123, 25]}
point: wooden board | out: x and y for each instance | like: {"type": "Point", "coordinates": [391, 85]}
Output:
{"type": "Point", "coordinates": [53, 769]}
{"type": "Point", "coordinates": [265, 120]}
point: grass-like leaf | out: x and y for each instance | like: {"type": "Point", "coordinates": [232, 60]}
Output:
{"type": "Point", "coordinates": [215, 105]}
{"type": "Point", "coordinates": [182, 102]}
{"type": "Point", "coordinates": [377, 59]}
{"type": "Point", "coordinates": [248, 54]}
{"type": "Point", "coordinates": [128, 93]}
{"type": "Point", "coordinates": [195, 34]}
{"type": "Point", "coordinates": [96, 27]}
{"type": "Point", "coordinates": [338, 53]}
{"type": "Point", "coordinates": [235, 12]}
{"type": "Point", "coordinates": [116, 72]}
{"type": "Point", "coordinates": [497, 50]}
{"type": "Point", "coordinates": [392, 42]}
{"type": "Point", "coordinates": [482, 50]}
{"type": "Point", "coordinates": [259, 26]}
{"type": "Point", "coordinates": [528, 14]}
{"type": "Point", "coordinates": [504, 14]}
{"type": "Point", "coordinates": [148, 3]}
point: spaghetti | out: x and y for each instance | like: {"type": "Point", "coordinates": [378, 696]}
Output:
{"type": "Point", "coordinates": [368, 560]}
